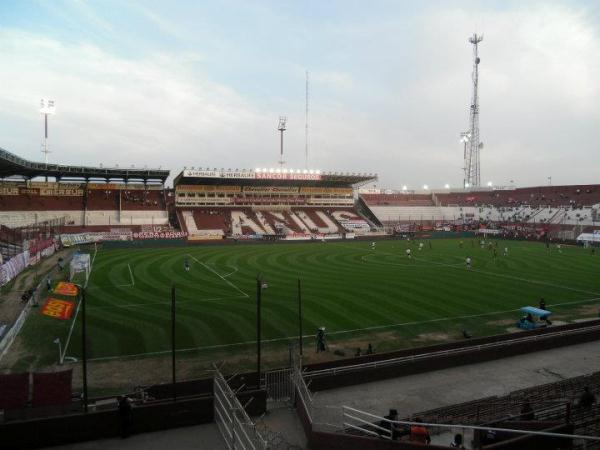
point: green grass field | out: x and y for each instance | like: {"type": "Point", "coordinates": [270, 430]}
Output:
{"type": "Point", "coordinates": [348, 287]}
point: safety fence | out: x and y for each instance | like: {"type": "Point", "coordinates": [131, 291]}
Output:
{"type": "Point", "coordinates": [236, 427]}
{"type": "Point", "coordinates": [456, 351]}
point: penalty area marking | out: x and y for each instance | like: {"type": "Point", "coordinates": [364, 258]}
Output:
{"type": "Point", "coordinates": [333, 333]}
{"type": "Point", "coordinates": [220, 276]}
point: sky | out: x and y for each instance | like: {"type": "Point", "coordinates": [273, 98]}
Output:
{"type": "Point", "coordinates": [177, 84]}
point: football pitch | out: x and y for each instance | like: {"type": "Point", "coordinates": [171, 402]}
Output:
{"type": "Point", "coordinates": [348, 287]}
{"type": "Point", "coordinates": [358, 293]}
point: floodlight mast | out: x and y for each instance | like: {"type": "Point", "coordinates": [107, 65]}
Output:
{"type": "Point", "coordinates": [46, 108]}
{"type": "Point", "coordinates": [281, 128]}
{"type": "Point", "coordinates": [473, 146]}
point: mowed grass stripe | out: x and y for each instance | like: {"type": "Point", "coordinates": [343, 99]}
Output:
{"type": "Point", "coordinates": [345, 286]}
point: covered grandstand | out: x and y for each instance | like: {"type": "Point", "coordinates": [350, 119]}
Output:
{"type": "Point", "coordinates": [282, 204]}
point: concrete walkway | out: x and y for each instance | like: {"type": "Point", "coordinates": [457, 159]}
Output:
{"type": "Point", "coordinates": [421, 392]}
{"type": "Point", "coordinates": [201, 437]}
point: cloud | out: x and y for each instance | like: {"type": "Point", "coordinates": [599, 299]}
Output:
{"type": "Point", "coordinates": [390, 93]}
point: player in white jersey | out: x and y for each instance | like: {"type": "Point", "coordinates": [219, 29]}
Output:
{"type": "Point", "coordinates": [468, 262]}
{"type": "Point", "coordinates": [420, 246]}
{"type": "Point", "coordinates": [505, 251]}
{"type": "Point", "coordinates": [372, 245]}
{"type": "Point", "coordinates": [408, 253]}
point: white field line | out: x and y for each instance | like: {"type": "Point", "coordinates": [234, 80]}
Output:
{"type": "Point", "coordinates": [220, 276]}
{"type": "Point", "coordinates": [377, 327]}
{"type": "Point", "coordinates": [131, 275]}
{"type": "Point", "coordinates": [230, 273]}
{"type": "Point", "coordinates": [78, 306]}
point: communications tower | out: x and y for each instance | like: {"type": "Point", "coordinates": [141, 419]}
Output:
{"type": "Point", "coordinates": [472, 173]}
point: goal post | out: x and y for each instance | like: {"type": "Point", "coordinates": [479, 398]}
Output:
{"type": "Point", "coordinates": [80, 268]}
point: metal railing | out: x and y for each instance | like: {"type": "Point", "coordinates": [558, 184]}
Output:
{"type": "Point", "coordinates": [373, 425]}
{"type": "Point", "coordinates": [236, 427]}
{"type": "Point", "coordinates": [412, 358]}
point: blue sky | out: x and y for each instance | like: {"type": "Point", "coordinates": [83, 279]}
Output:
{"type": "Point", "coordinates": [185, 83]}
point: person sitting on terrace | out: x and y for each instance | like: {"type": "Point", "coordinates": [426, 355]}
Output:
{"type": "Point", "coordinates": [587, 398]}
{"type": "Point", "coordinates": [527, 411]}
{"type": "Point", "coordinates": [418, 433]}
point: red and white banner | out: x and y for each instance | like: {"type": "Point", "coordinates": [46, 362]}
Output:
{"type": "Point", "coordinates": [58, 309]}
{"type": "Point", "coordinates": [159, 235]}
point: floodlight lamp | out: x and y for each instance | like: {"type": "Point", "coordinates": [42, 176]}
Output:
{"type": "Point", "coordinates": [490, 184]}
{"type": "Point", "coordinates": [466, 185]}
{"type": "Point", "coordinates": [425, 187]}
{"type": "Point", "coordinates": [305, 171]}
{"type": "Point", "coordinates": [404, 188]}
{"type": "Point", "coordinates": [446, 186]}
{"type": "Point", "coordinates": [47, 106]}
{"type": "Point", "coordinates": [318, 172]}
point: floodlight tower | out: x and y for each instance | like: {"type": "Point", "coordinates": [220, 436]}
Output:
{"type": "Point", "coordinates": [281, 128]}
{"type": "Point", "coordinates": [472, 166]}
{"type": "Point", "coordinates": [47, 108]}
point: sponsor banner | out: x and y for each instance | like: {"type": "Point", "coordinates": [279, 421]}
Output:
{"type": "Point", "coordinates": [62, 192]}
{"type": "Point", "coordinates": [206, 188]}
{"type": "Point", "coordinates": [319, 190]}
{"type": "Point", "coordinates": [159, 235]}
{"type": "Point", "coordinates": [205, 237]}
{"type": "Point", "coordinates": [298, 237]}
{"type": "Point", "coordinates": [287, 176]}
{"type": "Point", "coordinates": [9, 190]}
{"type": "Point", "coordinates": [58, 309]}
{"type": "Point", "coordinates": [271, 189]}
{"type": "Point", "coordinates": [29, 191]}
{"type": "Point", "coordinates": [354, 224]}
{"type": "Point", "coordinates": [64, 288]}
{"type": "Point", "coordinates": [350, 235]}
{"type": "Point", "coordinates": [217, 174]}
{"type": "Point", "coordinates": [51, 185]}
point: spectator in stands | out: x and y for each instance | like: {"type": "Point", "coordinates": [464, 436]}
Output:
{"type": "Point", "coordinates": [369, 349]}
{"type": "Point", "coordinates": [457, 442]}
{"type": "Point", "coordinates": [418, 433]}
{"type": "Point", "coordinates": [125, 416]}
{"type": "Point", "coordinates": [48, 283]}
{"type": "Point", "coordinates": [396, 430]}
{"type": "Point", "coordinates": [527, 411]}
{"type": "Point", "coordinates": [587, 399]}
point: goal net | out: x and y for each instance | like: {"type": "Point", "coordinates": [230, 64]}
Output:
{"type": "Point", "coordinates": [80, 268]}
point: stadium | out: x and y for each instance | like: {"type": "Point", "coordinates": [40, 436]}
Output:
{"type": "Point", "coordinates": [290, 307]}
{"type": "Point", "coordinates": [304, 277]}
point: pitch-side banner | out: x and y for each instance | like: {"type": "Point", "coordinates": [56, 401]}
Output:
{"type": "Point", "coordinates": [58, 309]}
{"type": "Point", "coordinates": [217, 174]}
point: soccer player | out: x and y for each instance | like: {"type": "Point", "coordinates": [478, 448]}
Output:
{"type": "Point", "coordinates": [468, 262]}
{"type": "Point", "coordinates": [408, 253]}
{"type": "Point", "coordinates": [372, 245]}
{"type": "Point", "coordinates": [460, 244]}
{"type": "Point", "coordinates": [186, 264]}
{"type": "Point", "coordinates": [420, 246]}
{"type": "Point", "coordinates": [505, 251]}
{"type": "Point", "coordinates": [559, 247]}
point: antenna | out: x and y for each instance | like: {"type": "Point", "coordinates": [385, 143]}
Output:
{"type": "Point", "coordinates": [281, 128]}
{"type": "Point", "coordinates": [306, 125]}
{"type": "Point", "coordinates": [472, 172]}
